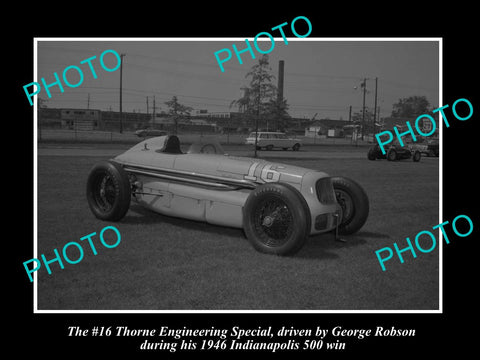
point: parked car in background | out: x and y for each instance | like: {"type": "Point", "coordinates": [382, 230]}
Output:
{"type": "Point", "coordinates": [428, 147]}
{"type": "Point", "coordinates": [394, 151]}
{"type": "Point", "coordinates": [270, 140]}
{"type": "Point", "coordinates": [150, 132]}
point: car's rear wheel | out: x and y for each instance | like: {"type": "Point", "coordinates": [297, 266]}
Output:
{"type": "Point", "coordinates": [354, 203]}
{"type": "Point", "coordinates": [371, 154]}
{"type": "Point", "coordinates": [269, 147]}
{"type": "Point", "coordinates": [276, 219]}
{"type": "Point", "coordinates": [296, 147]}
{"type": "Point", "coordinates": [108, 191]}
{"type": "Point", "coordinates": [417, 156]}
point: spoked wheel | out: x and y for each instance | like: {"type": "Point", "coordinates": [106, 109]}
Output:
{"type": "Point", "coordinates": [104, 192]}
{"type": "Point", "coordinates": [354, 203]}
{"type": "Point", "coordinates": [273, 221]}
{"type": "Point", "coordinates": [276, 219]}
{"type": "Point", "coordinates": [108, 191]}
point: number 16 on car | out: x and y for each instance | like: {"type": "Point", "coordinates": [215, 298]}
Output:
{"type": "Point", "coordinates": [268, 174]}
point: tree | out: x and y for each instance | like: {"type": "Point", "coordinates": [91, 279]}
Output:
{"type": "Point", "coordinates": [367, 125]}
{"type": "Point", "coordinates": [259, 100]}
{"type": "Point", "coordinates": [410, 107]}
{"type": "Point", "coordinates": [277, 114]}
{"type": "Point", "coordinates": [177, 110]}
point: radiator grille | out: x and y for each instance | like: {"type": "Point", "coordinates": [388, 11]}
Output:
{"type": "Point", "coordinates": [325, 192]}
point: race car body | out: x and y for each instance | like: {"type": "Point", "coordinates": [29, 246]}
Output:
{"type": "Point", "coordinates": [277, 205]}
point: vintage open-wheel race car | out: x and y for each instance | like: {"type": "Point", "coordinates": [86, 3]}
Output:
{"type": "Point", "coordinates": [277, 205]}
{"type": "Point", "coordinates": [393, 152]}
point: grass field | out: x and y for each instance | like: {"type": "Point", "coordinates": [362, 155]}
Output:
{"type": "Point", "coordinates": [165, 263]}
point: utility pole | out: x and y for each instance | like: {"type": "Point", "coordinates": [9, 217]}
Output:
{"type": "Point", "coordinates": [281, 67]}
{"type": "Point", "coordinates": [121, 73]}
{"type": "Point", "coordinates": [375, 108]}
{"type": "Point", "coordinates": [378, 115]}
{"type": "Point", "coordinates": [256, 124]}
{"type": "Point", "coordinates": [363, 110]}
{"type": "Point", "coordinates": [153, 116]}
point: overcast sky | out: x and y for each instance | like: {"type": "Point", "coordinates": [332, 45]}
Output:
{"type": "Point", "coordinates": [321, 76]}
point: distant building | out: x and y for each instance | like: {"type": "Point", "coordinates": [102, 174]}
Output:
{"type": "Point", "coordinates": [199, 121]}
{"type": "Point", "coordinates": [161, 119]}
{"type": "Point", "coordinates": [90, 119]}
{"type": "Point", "coordinates": [327, 127]}
{"type": "Point", "coordinates": [110, 120]}
{"type": "Point", "coordinates": [80, 119]}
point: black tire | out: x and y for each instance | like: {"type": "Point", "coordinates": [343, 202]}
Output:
{"type": "Point", "coordinates": [296, 147]}
{"type": "Point", "coordinates": [354, 203]}
{"type": "Point", "coordinates": [276, 219]}
{"type": "Point", "coordinates": [108, 191]}
{"type": "Point", "coordinates": [371, 155]}
{"type": "Point", "coordinates": [416, 156]}
{"type": "Point", "coordinates": [269, 147]}
{"type": "Point", "coordinates": [391, 155]}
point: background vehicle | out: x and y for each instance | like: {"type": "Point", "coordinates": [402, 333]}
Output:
{"type": "Point", "coordinates": [277, 205]}
{"type": "Point", "coordinates": [150, 132]}
{"type": "Point", "coordinates": [428, 147]}
{"type": "Point", "coordinates": [272, 140]}
{"type": "Point", "coordinates": [393, 152]}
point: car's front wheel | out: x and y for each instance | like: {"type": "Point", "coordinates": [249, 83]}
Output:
{"type": "Point", "coordinates": [354, 203]}
{"type": "Point", "coordinates": [276, 219]}
{"type": "Point", "coordinates": [108, 191]}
